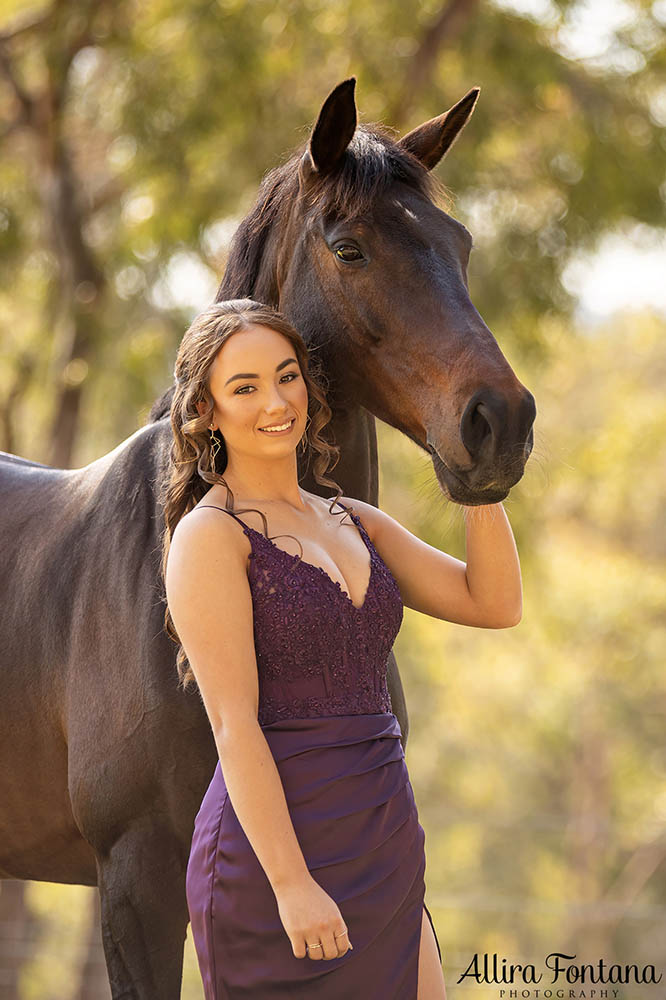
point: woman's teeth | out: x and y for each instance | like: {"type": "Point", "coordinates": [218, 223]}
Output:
{"type": "Point", "coordinates": [274, 430]}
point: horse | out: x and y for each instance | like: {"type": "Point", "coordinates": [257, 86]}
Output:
{"type": "Point", "coordinates": [105, 759]}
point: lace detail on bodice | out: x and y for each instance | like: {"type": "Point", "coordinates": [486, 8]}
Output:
{"type": "Point", "coordinates": [317, 652]}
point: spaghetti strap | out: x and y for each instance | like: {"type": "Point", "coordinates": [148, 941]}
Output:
{"type": "Point", "coordinates": [356, 520]}
{"type": "Point", "coordinates": [211, 506]}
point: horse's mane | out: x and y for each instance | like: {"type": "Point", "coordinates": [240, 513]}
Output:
{"type": "Point", "coordinates": [162, 406]}
{"type": "Point", "coordinates": [371, 162]}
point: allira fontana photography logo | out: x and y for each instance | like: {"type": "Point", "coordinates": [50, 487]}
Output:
{"type": "Point", "coordinates": [560, 977]}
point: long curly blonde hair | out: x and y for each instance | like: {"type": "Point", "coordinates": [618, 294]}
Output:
{"type": "Point", "coordinates": [191, 472]}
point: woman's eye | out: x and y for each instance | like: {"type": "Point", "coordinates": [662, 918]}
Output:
{"type": "Point", "coordinates": [348, 253]}
{"type": "Point", "coordinates": [239, 391]}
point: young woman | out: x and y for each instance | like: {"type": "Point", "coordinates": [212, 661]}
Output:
{"type": "Point", "coordinates": [306, 871]}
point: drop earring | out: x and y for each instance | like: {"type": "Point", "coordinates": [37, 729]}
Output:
{"type": "Point", "coordinates": [304, 442]}
{"type": "Point", "coordinates": [214, 448]}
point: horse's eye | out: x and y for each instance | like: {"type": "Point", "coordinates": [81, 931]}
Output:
{"type": "Point", "coordinates": [348, 253]}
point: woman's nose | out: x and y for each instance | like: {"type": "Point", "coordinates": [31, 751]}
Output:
{"type": "Point", "coordinates": [276, 401]}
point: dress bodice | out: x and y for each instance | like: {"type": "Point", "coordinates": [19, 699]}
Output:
{"type": "Point", "coordinates": [318, 653]}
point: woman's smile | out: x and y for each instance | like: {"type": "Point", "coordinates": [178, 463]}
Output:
{"type": "Point", "coordinates": [279, 429]}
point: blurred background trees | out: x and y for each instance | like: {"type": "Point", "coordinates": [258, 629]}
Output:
{"type": "Point", "coordinates": [134, 136]}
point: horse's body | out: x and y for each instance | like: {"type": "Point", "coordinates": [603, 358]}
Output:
{"type": "Point", "coordinates": [104, 760]}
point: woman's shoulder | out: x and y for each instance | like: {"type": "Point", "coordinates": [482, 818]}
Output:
{"type": "Point", "coordinates": [208, 523]}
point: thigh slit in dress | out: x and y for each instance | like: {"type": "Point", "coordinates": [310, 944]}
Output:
{"type": "Point", "coordinates": [325, 710]}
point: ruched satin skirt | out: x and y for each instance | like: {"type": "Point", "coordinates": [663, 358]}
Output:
{"type": "Point", "coordinates": [353, 810]}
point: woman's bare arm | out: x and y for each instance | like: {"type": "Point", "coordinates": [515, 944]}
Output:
{"type": "Point", "coordinates": [485, 591]}
{"type": "Point", "coordinates": [493, 566]}
{"type": "Point", "coordinates": [211, 606]}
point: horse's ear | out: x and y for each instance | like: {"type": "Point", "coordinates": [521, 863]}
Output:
{"type": "Point", "coordinates": [430, 141]}
{"type": "Point", "coordinates": [333, 132]}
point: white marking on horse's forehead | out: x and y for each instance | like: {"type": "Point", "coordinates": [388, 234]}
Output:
{"type": "Point", "coordinates": [407, 211]}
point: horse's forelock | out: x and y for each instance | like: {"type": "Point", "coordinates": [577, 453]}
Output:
{"type": "Point", "coordinates": [373, 160]}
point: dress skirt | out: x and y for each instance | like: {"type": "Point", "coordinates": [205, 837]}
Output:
{"type": "Point", "coordinates": [352, 806]}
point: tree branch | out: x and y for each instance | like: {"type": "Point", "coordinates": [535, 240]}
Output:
{"type": "Point", "coordinates": [24, 99]}
{"type": "Point", "coordinates": [447, 25]}
{"type": "Point", "coordinates": [23, 26]}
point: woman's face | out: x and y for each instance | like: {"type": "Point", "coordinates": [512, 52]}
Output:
{"type": "Point", "coordinates": [256, 382]}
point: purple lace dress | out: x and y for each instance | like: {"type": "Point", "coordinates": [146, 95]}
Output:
{"type": "Point", "coordinates": [325, 710]}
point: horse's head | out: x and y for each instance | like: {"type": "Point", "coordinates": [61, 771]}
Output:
{"type": "Point", "coordinates": [347, 240]}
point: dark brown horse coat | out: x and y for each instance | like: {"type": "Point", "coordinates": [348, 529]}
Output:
{"type": "Point", "coordinates": [104, 760]}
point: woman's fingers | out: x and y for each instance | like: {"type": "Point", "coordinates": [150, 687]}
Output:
{"type": "Point", "coordinates": [342, 942]}
{"type": "Point", "coordinates": [330, 945]}
{"type": "Point", "coordinates": [315, 950]}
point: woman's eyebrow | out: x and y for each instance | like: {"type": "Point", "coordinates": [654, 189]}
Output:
{"type": "Point", "coordinates": [283, 364]}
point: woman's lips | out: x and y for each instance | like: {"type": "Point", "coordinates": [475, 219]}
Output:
{"type": "Point", "coordinates": [287, 430]}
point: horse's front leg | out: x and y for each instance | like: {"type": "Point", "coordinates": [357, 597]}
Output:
{"type": "Point", "coordinates": [144, 912]}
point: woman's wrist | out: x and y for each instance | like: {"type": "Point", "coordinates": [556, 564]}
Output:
{"type": "Point", "coordinates": [481, 510]}
{"type": "Point", "coordinates": [294, 880]}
